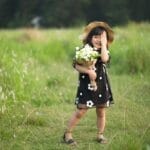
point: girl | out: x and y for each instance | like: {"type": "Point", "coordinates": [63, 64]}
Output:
{"type": "Point", "coordinates": [98, 35]}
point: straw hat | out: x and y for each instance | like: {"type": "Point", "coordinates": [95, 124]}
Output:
{"type": "Point", "coordinates": [94, 24]}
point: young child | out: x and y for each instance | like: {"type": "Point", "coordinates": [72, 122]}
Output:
{"type": "Point", "coordinates": [98, 35]}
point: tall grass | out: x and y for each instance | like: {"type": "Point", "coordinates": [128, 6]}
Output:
{"type": "Point", "coordinates": [37, 90]}
{"type": "Point", "coordinates": [130, 51]}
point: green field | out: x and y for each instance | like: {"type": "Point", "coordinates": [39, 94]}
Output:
{"type": "Point", "coordinates": [38, 86]}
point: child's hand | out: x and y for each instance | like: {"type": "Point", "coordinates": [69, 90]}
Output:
{"type": "Point", "coordinates": [104, 38]}
{"type": "Point", "coordinates": [92, 74]}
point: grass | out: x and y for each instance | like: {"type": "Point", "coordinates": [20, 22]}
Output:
{"type": "Point", "coordinates": [38, 87]}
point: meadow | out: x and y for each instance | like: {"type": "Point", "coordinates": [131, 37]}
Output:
{"type": "Point", "coordinates": [38, 86]}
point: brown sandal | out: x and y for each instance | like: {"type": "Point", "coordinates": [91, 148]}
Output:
{"type": "Point", "coordinates": [69, 141]}
{"type": "Point", "coordinates": [101, 139]}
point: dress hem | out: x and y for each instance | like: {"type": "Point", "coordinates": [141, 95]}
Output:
{"type": "Point", "coordinates": [84, 106]}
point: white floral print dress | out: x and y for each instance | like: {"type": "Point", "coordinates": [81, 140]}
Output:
{"type": "Point", "coordinates": [86, 97]}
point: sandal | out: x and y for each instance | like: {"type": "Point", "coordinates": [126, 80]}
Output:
{"type": "Point", "coordinates": [101, 139]}
{"type": "Point", "coordinates": [69, 141]}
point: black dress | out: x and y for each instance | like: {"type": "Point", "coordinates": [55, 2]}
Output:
{"type": "Point", "coordinates": [102, 97]}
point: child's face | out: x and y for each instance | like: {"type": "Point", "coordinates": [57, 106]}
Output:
{"type": "Point", "coordinates": [96, 41]}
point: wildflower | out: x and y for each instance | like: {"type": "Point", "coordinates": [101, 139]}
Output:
{"type": "Point", "coordinates": [86, 54]}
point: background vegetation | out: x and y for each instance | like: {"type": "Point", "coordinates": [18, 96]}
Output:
{"type": "Point", "coordinates": [38, 86]}
{"type": "Point", "coordinates": [58, 13]}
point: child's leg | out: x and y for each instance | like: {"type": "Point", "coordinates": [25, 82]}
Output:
{"type": "Point", "coordinates": [101, 125]}
{"type": "Point", "coordinates": [100, 119]}
{"type": "Point", "coordinates": [78, 114]}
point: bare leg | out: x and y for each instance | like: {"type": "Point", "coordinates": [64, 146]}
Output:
{"type": "Point", "coordinates": [101, 125]}
{"type": "Point", "coordinates": [100, 119]}
{"type": "Point", "coordinates": [78, 114]}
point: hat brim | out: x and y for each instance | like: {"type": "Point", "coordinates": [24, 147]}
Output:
{"type": "Point", "coordinates": [94, 24]}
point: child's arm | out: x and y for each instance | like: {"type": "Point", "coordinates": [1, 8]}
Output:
{"type": "Point", "coordinates": [83, 69]}
{"type": "Point", "coordinates": [104, 51]}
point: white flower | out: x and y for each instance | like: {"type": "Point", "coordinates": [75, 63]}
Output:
{"type": "Point", "coordinates": [14, 135]}
{"type": "Point", "coordinates": [87, 53]}
{"type": "Point", "coordinates": [77, 48]}
{"type": "Point", "coordinates": [89, 103]}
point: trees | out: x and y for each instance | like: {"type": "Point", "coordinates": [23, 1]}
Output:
{"type": "Point", "coordinates": [7, 11]}
{"type": "Point", "coordinates": [63, 13]}
{"type": "Point", "coordinates": [66, 13]}
{"type": "Point", "coordinates": [139, 10]}
{"type": "Point", "coordinates": [110, 11]}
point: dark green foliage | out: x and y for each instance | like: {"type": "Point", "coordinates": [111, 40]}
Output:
{"type": "Point", "coordinates": [66, 13]}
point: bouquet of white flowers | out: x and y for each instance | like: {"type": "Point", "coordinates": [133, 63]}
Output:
{"type": "Point", "coordinates": [87, 57]}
